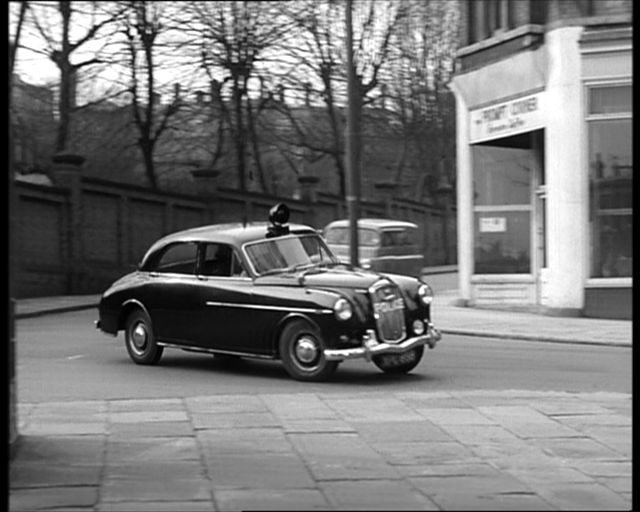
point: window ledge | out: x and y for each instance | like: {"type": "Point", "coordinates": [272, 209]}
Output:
{"type": "Point", "coordinates": [609, 282]}
{"type": "Point", "coordinates": [501, 278]}
{"type": "Point", "coordinates": [500, 38]}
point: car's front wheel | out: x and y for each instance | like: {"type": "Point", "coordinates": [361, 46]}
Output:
{"type": "Point", "coordinates": [399, 363]}
{"type": "Point", "coordinates": [302, 352]}
{"type": "Point", "coordinates": [140, 340]}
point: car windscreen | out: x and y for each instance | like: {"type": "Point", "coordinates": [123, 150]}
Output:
{"type": "Point", "coordinates": [288, 253]}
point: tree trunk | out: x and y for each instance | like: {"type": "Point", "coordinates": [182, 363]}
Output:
{"type": "Point", "coordinates": [239, 136]}
{"type": "Point", "coordinates": [149, 166]}
{"type": "Point", "coordinates": [62, 61]}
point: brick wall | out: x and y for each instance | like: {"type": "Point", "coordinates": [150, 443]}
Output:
{"type": "Point", "coordinates": [80, 235]}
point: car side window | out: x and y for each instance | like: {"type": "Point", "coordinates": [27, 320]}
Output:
{"type": "Point", "coordinates": [178, 258]}
{"type": "Point", "coordinates": [220, 260]}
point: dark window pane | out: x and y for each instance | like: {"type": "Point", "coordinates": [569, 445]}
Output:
{"type": "Point", "coordinates": [502, 175]}
{"type": "Point", "coordinates": [538, 11]}
{"type": "Point", "coordinates": [613, 246]}
{"type": "Point", "coordinates": [502, 243]}
{"type": "Point", "coordinates": [610, 100]}
{"type": "Point", "coordinates": [611, 197]}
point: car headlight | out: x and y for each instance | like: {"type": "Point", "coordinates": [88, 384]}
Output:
{"type": "Point", "coordinates": [425, 293]}
{"type": "Point", "coordinates": [342, 309]}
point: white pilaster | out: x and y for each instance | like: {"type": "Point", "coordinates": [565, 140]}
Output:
{"type": "Point", "coordinates": [566, 172]}
{"type": "Point", "coordinates": [464, 196]}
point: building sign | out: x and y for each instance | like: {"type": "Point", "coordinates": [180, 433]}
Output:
{"type": "Point", "coordinates": [508, 118]}
{"type": "Point", "coordinates": [493, 224]}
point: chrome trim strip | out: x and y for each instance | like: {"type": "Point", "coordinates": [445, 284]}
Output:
{"type": "Point", "coordinates": [270, 308]}
{"type": "Point", "coordinates": [392, 257]}
{"type": "Point", "coordinates": [191, 348]}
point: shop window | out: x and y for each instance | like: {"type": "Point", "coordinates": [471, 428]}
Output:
{"type": "Point", "coordinates": [610, 176]}
{"type": "Point", "coordinates": [503, 173]}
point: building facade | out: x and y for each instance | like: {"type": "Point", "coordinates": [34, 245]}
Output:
{"type": "Point", "coordinates": [544, 155]}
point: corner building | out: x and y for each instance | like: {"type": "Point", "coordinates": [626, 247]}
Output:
{"type": "Point", "coordinates": [543, 94]}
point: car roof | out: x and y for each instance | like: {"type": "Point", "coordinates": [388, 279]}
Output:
{"type": "Point", "coordinates": [233, 233]}
{"type": "Point", "coordinates": [372, 223]}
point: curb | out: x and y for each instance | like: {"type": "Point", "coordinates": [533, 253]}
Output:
{"type": "Point", "coordinates": [61, 309]}
{"type": "Point", "coordinates": [427, 271]}
{"type": "Point", "coordinates": [524, 337]}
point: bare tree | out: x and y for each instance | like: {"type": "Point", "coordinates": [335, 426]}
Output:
{"type": "Point", "coordinates": [144, 24]}
{"type": "Point", "coordinates": [416, 91]}
{"type": "Point", "coordinates": [320, 65]}
{"type": "Point", "coordinates": [236, 39]}
{"type": "Point", "coordinates": [74, 35]}
{"type": "Point", "coordinates": [13, 48]}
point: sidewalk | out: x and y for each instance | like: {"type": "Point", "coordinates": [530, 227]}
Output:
{"type": "Point", "coordinates": [375, 450]}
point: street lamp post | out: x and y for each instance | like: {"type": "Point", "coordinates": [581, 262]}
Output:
{"type": "Point", "coordinates": [353, 171]}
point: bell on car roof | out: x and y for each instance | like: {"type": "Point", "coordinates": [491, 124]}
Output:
{"type": "Point", "coordinates": [278, 216]}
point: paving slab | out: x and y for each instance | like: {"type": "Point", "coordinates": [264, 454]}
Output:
{"type": "Point", "coordinates": [271, 499]}
{"type": "Point", "coordinates": [151, 429]}
{"type": "Point", "coordinates": [341, 457]}
{"type": "Point", "coordinates": [285, 470]}
{"type": "Point", "coordinates": [156, 506]}
{"type": "Point", "coordinates": [401, 431]}
{"type": "Point", "coordinates": [51, 498]}
{"type": "Point", "coordinates": [376, 495]}
{"type": "Point", "coordinates": [151, 449]}
{"type": "Point", "coordinates": [298, 406]}
{"type": "Point", "coordinates": [202, 421]}
{"type": "Point", "coordinates": [511, 501]}
{"type": "Point", "coordinates": [582, 496]}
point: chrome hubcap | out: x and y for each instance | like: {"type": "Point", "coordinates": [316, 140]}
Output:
{"type": "Point", "coordinates": [306, 350]}
{"type": "Point", "coordinates": [139, 337]}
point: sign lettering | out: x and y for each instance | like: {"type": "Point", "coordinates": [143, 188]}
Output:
{"type": "Point", "coordinates": [508, 118]}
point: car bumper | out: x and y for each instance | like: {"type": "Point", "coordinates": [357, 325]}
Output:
{"type": "Point", "coordinates": [372, 347]}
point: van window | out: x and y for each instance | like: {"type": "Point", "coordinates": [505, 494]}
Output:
{"type": "Point", "coordinates": [340, 236]}
{"type": "Point", "coordinates": [399, 237]}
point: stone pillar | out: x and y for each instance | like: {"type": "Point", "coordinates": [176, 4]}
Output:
{"type": "Point", "coordinates": [67, 173]}
{"type": "Point", "coordinates": [206, 180]}
{"type": "Point", "coordinates": [387, 189]}
{"type": "Point", "coordinates": [464, 197]}
{"type": "Point", "coordinates": [309, 195]}
{"type": "Point", "coordinates": [567, 180]}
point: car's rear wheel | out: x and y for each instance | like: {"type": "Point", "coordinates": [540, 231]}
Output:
{"type": "Point", "coordinates": [302, 352]}
{"type": "Point", "coordinates": [140, 340]}
{"type": "Point", "coordinates": [399, 363]}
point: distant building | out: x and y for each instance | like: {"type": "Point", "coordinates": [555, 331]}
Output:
{"type": "Point", "coordinates": [33, 125]}
{"type": "Point", "coordinates": [544, 154]}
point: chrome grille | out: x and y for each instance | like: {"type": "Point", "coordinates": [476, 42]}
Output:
{"type": "Point", "coordinates": [388, 310]}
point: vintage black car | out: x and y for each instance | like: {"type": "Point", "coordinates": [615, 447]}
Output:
{"type": "Point", "coordinates": [272, 291]}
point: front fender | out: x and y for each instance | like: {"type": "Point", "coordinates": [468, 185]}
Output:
{"type": "Point", "coordinates": [275, 338]}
